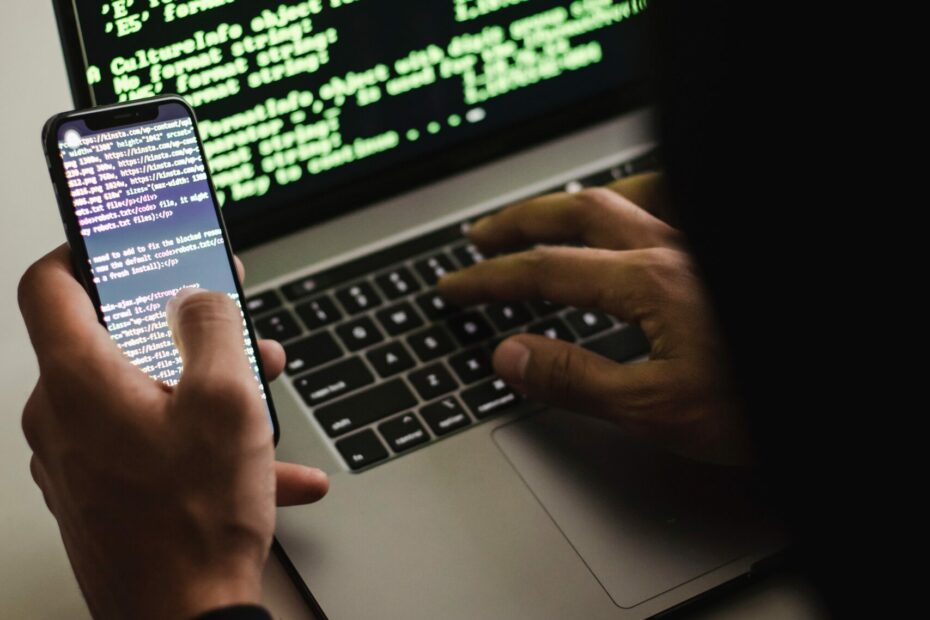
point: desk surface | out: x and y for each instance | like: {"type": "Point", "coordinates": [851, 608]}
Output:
{"type": "Point", "coordinates": [35, 577]}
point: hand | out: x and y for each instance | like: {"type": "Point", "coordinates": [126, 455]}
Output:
{"type": "Point", "coordinates": [165, 497]}
{"type": "Point", "coordinates": [635, 268]}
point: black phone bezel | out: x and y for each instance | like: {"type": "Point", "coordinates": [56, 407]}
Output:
{"type": "Point", "coordinates": [253, 228]}
{"type": "Point", "coordinates": [118, 115]}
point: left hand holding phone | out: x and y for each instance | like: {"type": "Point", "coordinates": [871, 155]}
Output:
{"type": "Point", "coordinates": [165, 496]}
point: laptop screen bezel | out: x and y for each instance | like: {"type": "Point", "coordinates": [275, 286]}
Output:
{"type": "Point", "coordinates": [257, 228]}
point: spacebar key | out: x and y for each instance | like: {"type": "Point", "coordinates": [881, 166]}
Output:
{"type": "Point", "coordinates": [364, 408]}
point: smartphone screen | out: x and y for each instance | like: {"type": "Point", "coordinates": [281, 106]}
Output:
{"type": "Point", "coordinates": [146, 215]}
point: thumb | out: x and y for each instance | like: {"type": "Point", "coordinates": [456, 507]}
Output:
{"type": "Point", "coordinates": [299, 484]}
{"type": "Point", "coordinates": [565, 375]}
{"type": "Point", "coordinates": [208, 331]}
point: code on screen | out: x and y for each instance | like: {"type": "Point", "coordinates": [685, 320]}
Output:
{"type": "Point", "coordinates": [147, 218]}
{"type": "Point", "coordinates": [310, 94]}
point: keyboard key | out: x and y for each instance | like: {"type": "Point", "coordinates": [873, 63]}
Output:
{"type": "Point", "coordinates": [587, 323]}
{"type": "Point", "coordinates": [365, 407]}
{"type": "Point", "coordinates": [399, 319]}
{"type": "Point", "coordinates": [470, 328]}
{"type": "Point", "coordinates": [471, 366]}
{"type": "Point", "coordinates": [508, 315]}
{"type": "Point", "coordinates": [319, 313]}
{"type": "Point", "coordinates": [311, 352]}
{"type": "Point", "coordinates": [431, 343]}
{"type": "Point", "coordinates": [622, 345]}
{"type": "Point", "coordinates": [398, 283]}
{"type": "Point", "coordinates": [545, 308]}
{"type": "Point", "coordinates": [432, 381]}
{"type": "Point", "coordinates": [301, 288]}
{"type": "Point", "coordinates": [334, 381]}
{"type": "Point", "coordinates": [435, 307]}
{"type": "Point", "coordinates": [445, 416]}
{"type": "Point", "coordinates": [390, 359]}
{"type": "Point", "coordinates": [435, 267]}
{"type": "Point", "coordinates": [263, 302]}
{"type": "Point", "coordinates": [573, 187]}
{"type": "Point", "coordinates": [404, 432]}
{"type": "Point", "coordinates": [371, 263]}
{"type": "Point", "coordinates": [279, 326]}
{"type": "Point", "coordinates": [359, 298]}
{"type": "Point", "coordinates": [489, 398]}
{"type": "Point", "coordinates": [598, 179]}
{"type": "Point", "coordinates": [491, 345]}
{"type": "Point", "coordinates": [361, 450]}
{"type": "Point", "coordinates": [468, 255]}
{"type": "Point", "coordinates": [554, 329]}
{"type": "Point", "coordinates": [359, 334]}
{"type": "Point", "coordinates": [645, 163]}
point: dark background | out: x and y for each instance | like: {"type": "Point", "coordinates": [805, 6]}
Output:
{"type": "Point", "coordinates": [758, 136]}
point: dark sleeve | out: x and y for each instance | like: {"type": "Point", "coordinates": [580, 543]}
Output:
{"type": "Point", "coordinates": [758, 208]}
{"type": "Point", "coordinates": [240, 612]}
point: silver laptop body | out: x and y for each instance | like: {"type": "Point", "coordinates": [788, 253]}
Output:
{"type": "Point", "coordinates": [535, 514]}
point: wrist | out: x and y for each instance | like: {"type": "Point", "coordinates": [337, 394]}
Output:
{"type": "Point", "coordinates": [229, 587]}
{"type": "Point", "coordinates": [187, 594]}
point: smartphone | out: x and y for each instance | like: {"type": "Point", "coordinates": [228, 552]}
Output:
{"type": "Point", "coordinates": [141, 216]}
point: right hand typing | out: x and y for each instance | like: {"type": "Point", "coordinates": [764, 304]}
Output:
{"type": "Point", "coordinates": [634, 266]}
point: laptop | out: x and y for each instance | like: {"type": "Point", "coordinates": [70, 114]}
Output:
{"type": "Point", "coordinates": [352, 142]}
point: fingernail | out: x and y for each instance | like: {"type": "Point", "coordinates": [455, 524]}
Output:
{"type": "Point", "coordinates": [175, 302]}
{"type": "Point", "coordinates": [510, 362]}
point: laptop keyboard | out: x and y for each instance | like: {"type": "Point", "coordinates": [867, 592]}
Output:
{"type": "Point", "coordinates": [386, 365]}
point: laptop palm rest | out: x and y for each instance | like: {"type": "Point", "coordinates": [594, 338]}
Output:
{"type": "Point", "coordinates": [643, 521]}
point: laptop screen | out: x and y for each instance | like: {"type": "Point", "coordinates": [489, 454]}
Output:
{"type": "Point", "coordinates": [301, 101]}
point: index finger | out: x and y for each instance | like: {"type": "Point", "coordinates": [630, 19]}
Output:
{"type": "Point", "coordinates": [598, 217]}
{"type": "Point", "coordinates": [59, 315]}
{"type": "Point", "coordinates": [240, 269]}
{"type": "Point", "coordinates": [581, 277]}
{"type": "Point", "coordinates": [648, 191]}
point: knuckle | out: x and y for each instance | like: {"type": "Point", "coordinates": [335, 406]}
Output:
{"type": "Point", "coordinates": [596, 197]}
{"type": "Point", "coordinates": [531, 263]}
{"type": "Point", "coordinates": [542, 259]}
{"type": "Point", "coordinates": [35, 470]}
{"type": "Point", "coordinates": [31, 421]}
{"type": "Point", "coordinates": [662, 269]}
{"type": "Point", "coordinates": [659, 260]}
{"type": "Point", "coordinates": [594, 204]}
{"type": "Point", "coordinates": [28, 284]}
{"type": "Point", "coordinates": [534, 259]}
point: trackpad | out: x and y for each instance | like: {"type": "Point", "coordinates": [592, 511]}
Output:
{"type": "Point", "coordinates": [643, 521]}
